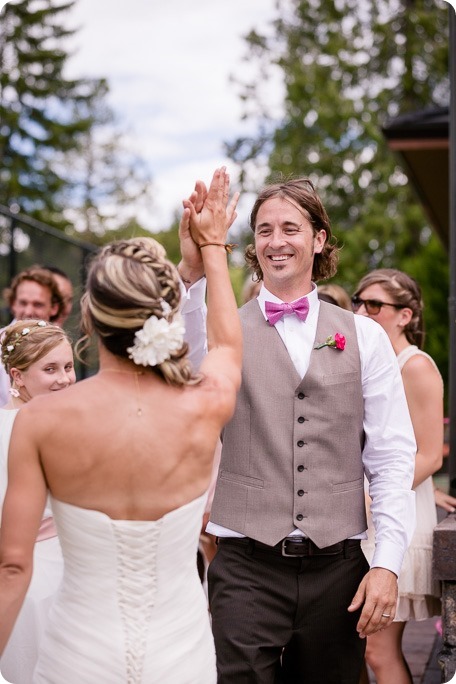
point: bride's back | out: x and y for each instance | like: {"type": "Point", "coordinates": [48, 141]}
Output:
{"type": "Point", "coordinates": [115, 438]}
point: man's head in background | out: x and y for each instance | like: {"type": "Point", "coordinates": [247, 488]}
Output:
{"type": "Point", "coordinates": [34, 293]}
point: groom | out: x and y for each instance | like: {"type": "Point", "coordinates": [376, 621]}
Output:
{"type": "Point", "coordinates": [321, 405]}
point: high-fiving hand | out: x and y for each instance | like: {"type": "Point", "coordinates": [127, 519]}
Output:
{"type": "Point", "coordinates": [207, 217]}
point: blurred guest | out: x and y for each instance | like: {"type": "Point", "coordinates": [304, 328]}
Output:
{"type": "Point", "coordinates": [66, 290]}
{"type": "Point", "coordinates": [334, 294]}
{"type": "Point", "coordinates": [33, 293]}
{"type": "Point", "coordinates": [393, 299]}
{"type": "Point", "coordinates": [39, 359]}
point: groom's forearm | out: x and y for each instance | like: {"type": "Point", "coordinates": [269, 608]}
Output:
{"type": "Point", "coordinates": [190, 275]}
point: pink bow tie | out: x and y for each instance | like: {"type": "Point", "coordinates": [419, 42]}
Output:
{"type": "Point", "coordinates": [274, 312]}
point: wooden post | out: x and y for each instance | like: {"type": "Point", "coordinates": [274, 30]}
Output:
{"type": "Point", "coordinates": [444, 570]}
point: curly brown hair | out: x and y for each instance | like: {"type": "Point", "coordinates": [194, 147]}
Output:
{"type": "Point", "coordinates": [43, 277]}
{"type": "Point", "coordinates": [128, 281]}
{"type": "Point", "coordinates": [302, 192]}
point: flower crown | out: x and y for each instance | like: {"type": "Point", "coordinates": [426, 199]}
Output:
{"type": "Point", "coordinates": [158, 339]}
{"type": "Point", "coordinates": [17, 339]}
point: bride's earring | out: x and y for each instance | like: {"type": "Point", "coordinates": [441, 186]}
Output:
{"type": "Point", "coordinates": [14, 392]}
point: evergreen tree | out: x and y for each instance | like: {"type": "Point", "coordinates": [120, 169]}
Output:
{"type": "Point", "coordinates": [107, 184]}
{"type": "Point", "coordinates": [63, 159]}
{"type": "Point", "coordinates": [35, 105]}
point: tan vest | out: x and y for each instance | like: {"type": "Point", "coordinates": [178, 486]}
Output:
{"type": "Point", "coordinates": [291, 454]}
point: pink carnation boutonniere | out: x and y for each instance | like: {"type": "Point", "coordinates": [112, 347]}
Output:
{"type": "Point", "coordinates": [337, 342]}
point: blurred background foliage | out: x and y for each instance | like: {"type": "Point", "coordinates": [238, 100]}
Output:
{"type": "Point", "coordinates": [347, 67]}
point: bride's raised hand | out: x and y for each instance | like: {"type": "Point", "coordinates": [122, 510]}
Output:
{"type": "Point", "coordinates": [211, 224]}
{"type": "Point", "coordinates": [191, 267]}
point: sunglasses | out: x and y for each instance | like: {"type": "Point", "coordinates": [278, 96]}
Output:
{"type": "Point", "coordinates": [372, 306]}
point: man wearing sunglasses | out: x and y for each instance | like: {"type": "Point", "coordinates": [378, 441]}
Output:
{"type": "Point", "coordinates": [321, 404]}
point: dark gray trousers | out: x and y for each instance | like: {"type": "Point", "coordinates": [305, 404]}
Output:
{"type": "Point", "coordinates": [280, 620]}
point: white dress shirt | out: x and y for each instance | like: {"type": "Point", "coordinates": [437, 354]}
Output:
{"type": "Point", "coordinates": [193, 310]}
{"type": "Point", "coordinates": [389, 451]}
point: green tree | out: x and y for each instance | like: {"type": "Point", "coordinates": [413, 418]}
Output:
{"type": "Point", "coordinates": [106, 182]}
{"type": "Point", "coordinates": [347, 67]}
{"type": "Point", "coordinates": [35, 105]}
{"type": "Point", "coordinates": [63, 157]}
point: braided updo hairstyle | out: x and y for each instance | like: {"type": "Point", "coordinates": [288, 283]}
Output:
{"type": "Point", "coordinates": [128, 281]}
{"type": "Point", "coordinates": [404, 291]}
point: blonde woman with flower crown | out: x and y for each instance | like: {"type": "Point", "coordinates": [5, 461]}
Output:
{"type": "Point", "coordinates": [127, 457]}
{"type": "Point", "coordinates": [39, 360]}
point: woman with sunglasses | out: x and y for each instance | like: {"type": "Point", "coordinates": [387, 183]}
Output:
{"type": "Point", "coordinates": [393, 299]}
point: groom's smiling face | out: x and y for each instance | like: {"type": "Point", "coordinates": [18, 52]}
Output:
{"type": "Point", "coordinates": [285, 244]}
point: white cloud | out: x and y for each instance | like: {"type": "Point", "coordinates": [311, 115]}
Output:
{"type": "Point", "coordinates": [168, 65]}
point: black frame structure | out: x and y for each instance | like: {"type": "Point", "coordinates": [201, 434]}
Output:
{"type": "Point", "coordinates": [24, 241]}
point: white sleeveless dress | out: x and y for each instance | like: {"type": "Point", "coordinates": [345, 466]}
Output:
{"type": "Point", "coordinates": [20, 655]}
{"type": "Point", "coordinates": [131, 608]}
{"type": "Point", "coordinates": [418, 597]}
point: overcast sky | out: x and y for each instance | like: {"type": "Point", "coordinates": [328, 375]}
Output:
{"type": "Point", "coordinates": [168, 63]}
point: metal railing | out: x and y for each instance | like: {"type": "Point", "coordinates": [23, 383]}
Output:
{"type": "Point", "coordinates": [24, 242]}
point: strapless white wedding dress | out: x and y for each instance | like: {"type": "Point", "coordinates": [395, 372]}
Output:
{"type": "Point", "coordinates": [131, 608]}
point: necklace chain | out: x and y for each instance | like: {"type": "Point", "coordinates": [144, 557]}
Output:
{"type": "Point", "coordinates": [138, 389]}
{"type": "Point", "coordinates": [119, 370]}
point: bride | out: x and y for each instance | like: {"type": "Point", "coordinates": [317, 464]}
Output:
{"type": "Point", "coordinates": [126, 456]}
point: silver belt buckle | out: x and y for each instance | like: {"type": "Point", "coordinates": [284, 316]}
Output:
{"type": "Point", "coordinates": [284, 547]}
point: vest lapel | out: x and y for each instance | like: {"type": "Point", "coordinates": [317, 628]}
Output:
{"type": "Point", "coordinates": [267, 343]}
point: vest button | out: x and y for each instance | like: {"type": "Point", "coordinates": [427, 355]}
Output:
{"type": "Point", "coordinates": [300, 516]}
{"type": "Point", "coordinates": [301, 395]}
{"type": "Point", "coordinates": [300, 492]}
{"type": "Point", "coordinates": [300, 468]}
{"type": "Point", "coordinates": [301, 419]}
{"type": "Point", "coordinates": [300, 443]}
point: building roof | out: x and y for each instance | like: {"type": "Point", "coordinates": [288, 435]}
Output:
{"type": "Point", "coordinates": [421, 140]}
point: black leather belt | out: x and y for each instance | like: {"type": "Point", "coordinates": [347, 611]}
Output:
{"type": "Point", "coordinates": [294, 547]}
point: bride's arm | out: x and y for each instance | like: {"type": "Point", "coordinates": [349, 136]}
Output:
{"type": "Point", "coordinates": [21, 517]}
{"type": "Point", "coordinates": [208, 230]}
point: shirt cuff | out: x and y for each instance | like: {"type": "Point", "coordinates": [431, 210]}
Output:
{"type": "Point", "coordinates": [388, 555]}
{"type": "Point", "coordinates": [193, 298]}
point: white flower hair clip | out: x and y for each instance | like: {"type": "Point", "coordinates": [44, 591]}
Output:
{"type": "Point", "coordinates": [157, 340]}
